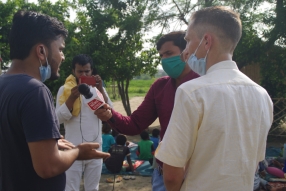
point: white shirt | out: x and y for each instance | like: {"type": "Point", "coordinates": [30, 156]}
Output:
{"type": "Point", "coordinates": [218, 130]}
{"type": "Point", "coordinates": [86, 127]}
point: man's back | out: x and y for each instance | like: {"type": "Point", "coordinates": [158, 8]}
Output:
{"type": "Point", "coordinates": [26, 116]}
{"type": "Point", "coordinates": [228, 131]}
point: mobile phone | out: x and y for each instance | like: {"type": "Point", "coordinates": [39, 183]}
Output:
{"type": "Point", "coordinates": [89, 80]}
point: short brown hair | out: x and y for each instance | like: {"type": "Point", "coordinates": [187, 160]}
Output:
{"type": "Point", "coordinates": [220, 20]}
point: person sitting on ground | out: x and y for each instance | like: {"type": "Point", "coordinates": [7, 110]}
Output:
{"type": "Point", "coordinates": [117, 156]}
{"type": "Point", "coordinates": [107, 138]}
{"type": "Point", "coordinates": [155, 137]}
{"type": "Point", "coordinates": [259, 183]}
{"type": "Point", "coordinates": [145, 148]}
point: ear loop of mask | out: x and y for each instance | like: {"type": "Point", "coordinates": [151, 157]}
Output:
{"type": "Point", "coordinates": [46, 56]}
{"type": "Point", "coordinates": [40, 62]}
{"type": "Point", "coordinates": [198, 46]}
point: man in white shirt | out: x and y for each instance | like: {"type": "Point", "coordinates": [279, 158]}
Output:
{"type": "Point", "coordinates": [81, 125]}
{"type": "Point", "coordinates": [219, 125]}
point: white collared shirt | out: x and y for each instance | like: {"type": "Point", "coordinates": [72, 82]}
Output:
{"type": "Point", "coordinates": [86, 127]}
{"type": "Point", "coordinates": [218, 130]}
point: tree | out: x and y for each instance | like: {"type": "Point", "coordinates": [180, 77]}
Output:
{"type": "Point", "coordinates": [263, 45]}
{"type": "Point", "coordinates": [6, 14]}
{"type": "Point", "coordinates": [59, 9]}
{"type": "Point", "coordinates": [118, 56]}
{"type": "Point", "coordinates": [274, 63]}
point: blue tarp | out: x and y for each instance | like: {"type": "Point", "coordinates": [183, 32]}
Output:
{"type": "Point", "coordinates": [144, 169]}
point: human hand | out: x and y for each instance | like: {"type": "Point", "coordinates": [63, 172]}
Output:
{"type": "Point", "coordinates": [74, 93]}
{"type": "Point", "coordinates": [104, 113]}
{"type": "Point", "coordinates": [98, 84]}
{"type": "Point", "coordinates": [127, 143]}
{"type": "Point", "coordinates": [63, 144]}
{"type": "Point", "coordinates": [88, 151]}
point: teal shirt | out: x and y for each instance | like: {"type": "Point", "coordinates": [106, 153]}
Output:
{"type": "Point", "coordinates": [145, 149]}
{"type": "Point", "coordinates": [107, 141]}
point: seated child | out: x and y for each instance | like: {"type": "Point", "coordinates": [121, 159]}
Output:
{"type": "Point", "coordinates": [117, 154]}
{"type": "Point", "coordinates": [155, 137]}
{"type": "Point", "coordinates": [145, 148]}
{"type": "Point", "coordinates": [107, 138]}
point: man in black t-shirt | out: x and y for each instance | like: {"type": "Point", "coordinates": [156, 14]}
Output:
{"type": "Point", "coordinates": [29, 129]}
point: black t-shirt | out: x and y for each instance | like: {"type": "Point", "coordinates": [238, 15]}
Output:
{"type": "Point", "coordinates": [27, 114]}
{"type": "Point", "coordinates": [115, 161]}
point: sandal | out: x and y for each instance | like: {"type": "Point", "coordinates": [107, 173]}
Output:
{"type": "Point", "coordinates": [126, 177]}
{"type": "Point", "coordinates": [111, 180]}
{"type": "Point", "coordinates": [132, 177]}
{"type": "Point", "coordinates": [118, 179]}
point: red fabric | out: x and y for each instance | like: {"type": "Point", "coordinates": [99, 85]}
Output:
{"type": "Point", "coordinates": [159, 102]}
{"type": "Point", "coordinates": [136, 164]}
{"type": "Point", "coordinates": [275, 171]}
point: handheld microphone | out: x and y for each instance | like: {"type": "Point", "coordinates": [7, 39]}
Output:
{"type": "Point", "coordinates": [85, 91]}
{"type": "Point", "coordinates": [93, 98]}
{"type": "Point", "coordinates": [93, 102]}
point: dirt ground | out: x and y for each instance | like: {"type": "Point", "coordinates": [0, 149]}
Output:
{"type": "Point", "coordinates": [140, 183]}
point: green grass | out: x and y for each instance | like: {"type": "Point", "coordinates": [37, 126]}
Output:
{"type": "Point", "coordinates": [137, 88]}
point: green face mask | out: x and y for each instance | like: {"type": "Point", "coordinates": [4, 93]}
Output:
{"type": "Point", "coordinates": [173, 66]}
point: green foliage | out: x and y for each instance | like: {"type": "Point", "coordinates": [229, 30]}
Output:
{"type": "Point", "coordinates": [266, 47]}
{"type": "Point", "coordinates": [112, 33]}
{"type": "Point", "coordinates": [137, 88]}
{"type": "Point", "coordinates": [6, 14]}
{"type": "Point", "coordinates": [60, 10]}
{"type": "Point", "coordinates": [142, 83]}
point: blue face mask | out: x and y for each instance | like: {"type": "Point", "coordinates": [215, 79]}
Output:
{"type": "Point", "coordinates": [198, 65]}
{"type": "Point", "coordinates": [45, 71]}
{"type": "Point", "coordinates": [173, 66]}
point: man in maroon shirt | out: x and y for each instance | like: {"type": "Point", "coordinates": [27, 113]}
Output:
{"type": "Point", "coordinates": [159, 100]}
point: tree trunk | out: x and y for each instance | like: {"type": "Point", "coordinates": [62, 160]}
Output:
{"type": "Point", "coordinates": [123, 91]}
{"type": "Point", "coordinates": [275, 33]}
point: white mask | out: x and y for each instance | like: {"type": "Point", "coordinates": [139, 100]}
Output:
{"type": "Point", "coordinates": [45, 71]}
{"type": "Point", "coordinates": [198, 65]}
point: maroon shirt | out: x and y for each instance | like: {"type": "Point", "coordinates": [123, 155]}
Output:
{"type": "Point", "coordinates": [158, 102]}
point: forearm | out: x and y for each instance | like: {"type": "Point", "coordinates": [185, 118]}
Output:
{"type": "Point", "coordinates": [104, 95]}
{"type": "Point", "coordinates": [48, 160]}
{"type": "Point", "coordinates": [130, 125]}
{"type": "Point", "coordinates": [62, 162]}
{"type": "Point", "coordinates": [173, 177]}
{"type": "Point", "coordinates": [69, 103]}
